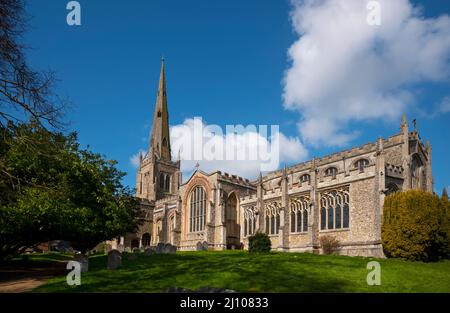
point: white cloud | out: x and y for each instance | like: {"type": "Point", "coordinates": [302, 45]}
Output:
{"type": "Point", "coordinates": [344, 70]}
{"type": "Point", "coordinates": [242, 144]}
{"type": "Point", "coordinates": [134, 159]}
{"type": "Point", "coordinates": [444, 106]}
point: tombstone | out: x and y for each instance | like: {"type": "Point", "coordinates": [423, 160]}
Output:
{"type": "Point", "coordinates": [149, 251]}
{"type": "Point", "coordinates": [136, 250]}
{"type": "Point", "coordinates": [84, 262]}
{"type": "Point", "coordinates": [114, 259]}
{"type": "Point", "coordinates": [170, 249]}
{"type": "Point", "coordinates": [160, 248]}
{"type": "Point", "coordinates": [173, 249]}
{"type": "Point", "coordinates": [202, 246]}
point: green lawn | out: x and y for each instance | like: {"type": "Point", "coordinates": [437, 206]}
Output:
{"type": "Point", "coordinates": [244, 272]}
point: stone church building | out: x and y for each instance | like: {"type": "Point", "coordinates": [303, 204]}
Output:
{"type": "Point", "coordinates": [341, 194]}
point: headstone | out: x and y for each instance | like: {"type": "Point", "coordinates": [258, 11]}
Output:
{"type": "Point", "coordinates": [83, 260]}
{"type": "Point", "coordinates": [136, 250]}
{"type": "Point", "coordinates": [149, 251]}
{"type": "Point", "coordinates": [160, 248]}
{"type": "Point", "coordinates": [199, 246]}
{"type": "Point", "coordinates": [205, 246]}
{"type": "Point", "coordinates": [114, 259]}
{"type": "Point", "coordinates": [173, 249]}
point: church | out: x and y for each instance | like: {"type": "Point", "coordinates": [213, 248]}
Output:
{"type": "Point", "coordinates": [341, 195]}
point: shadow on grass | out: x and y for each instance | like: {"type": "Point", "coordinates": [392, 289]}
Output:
{"type": "Point", "coordinates": [238, 271]}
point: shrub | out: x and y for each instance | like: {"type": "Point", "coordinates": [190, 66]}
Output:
{"type": "Point", "coordinates": [415, 226]}
{"type": "Point", "coordinates": [259, 242]}
{"type": "Point", "coordinates": [329, 244]}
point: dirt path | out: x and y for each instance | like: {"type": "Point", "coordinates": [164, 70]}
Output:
{"type": "Point", "coordinates": [25, 278]}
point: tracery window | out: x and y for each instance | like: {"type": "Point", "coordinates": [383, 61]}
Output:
{"type": "Point", "coordinates": [335, 209]}
{"type": "Point", "coordinates": [249, 221]}
{"type": "Point", "coordinates": [299, 214]}
{"type": "Point", "coordinates": [272, 217]}
{"type": "Point", "coordinates": [197, 209]}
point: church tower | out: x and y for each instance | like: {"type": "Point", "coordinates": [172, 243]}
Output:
{"type": "Point", "coordinates": [158, 176]}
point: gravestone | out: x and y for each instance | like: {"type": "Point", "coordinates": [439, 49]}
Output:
{"type": "Point", "coordinates": [114, 259]}
{"type": "Point", "coordinates": [170, 249]}
{"type": "Point", "coordinates": [202, 246]}
{"type": "Point", "coordinates": [84, 262]}
{"type": "Point", "coordinates": [149, 251]}
{"type": "Point", "coordinates": [136, 250]}
{"type": "Point", "coordinates": [173, 249]}
{"type": "Point", "coordinates": [160, 248]}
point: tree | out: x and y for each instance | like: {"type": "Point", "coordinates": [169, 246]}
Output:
{"type": "Point", "coordinates": [24, 92]}
{"type": "Point", "coordinates": [415, 226]}
{"type": "Point", "coordinates": [60, 191]}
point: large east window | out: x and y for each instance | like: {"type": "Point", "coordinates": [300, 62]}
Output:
{"type": "Point", "coordinates": [197, 209]}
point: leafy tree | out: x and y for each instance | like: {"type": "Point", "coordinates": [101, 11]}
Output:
{"type": "Point", "coordinates": [52, 190]}
{"type": "Point", "coordinates": [415, 226]}
{"type": "Point", "coordinates": [259, 242]}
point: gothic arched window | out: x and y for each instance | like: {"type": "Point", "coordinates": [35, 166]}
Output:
{"type": "Point", "coordinates": [161, 181]}
{"type": "Point", "coordinates": [331, 171]}
{"type": "Point", "coordinates": [335, 209]}
{"type": "Point", "coordinates": [249, 221]}
{"type": "Point", "coordinates": [299, 214]}
{"type": "Point", "coordinates": [416, 171]}
{"type": "Point", "coordinates": [305, 178]}
{"type": "Point", "coordinates": [197, 209]}
{"type": "Point", "coordinates": [361, 164]}
{"type": "Point", "coordinates": [272, 216]}
{"type": "Point", "coordinates": [167, 183]}
{"type": "Point", "coordinates": [323, 218]}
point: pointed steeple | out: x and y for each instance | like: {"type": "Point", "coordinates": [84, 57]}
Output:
{"type": "Point", "coordinates": [160, 139]}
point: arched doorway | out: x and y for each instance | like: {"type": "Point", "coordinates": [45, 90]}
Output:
{"type": "Point", "coordinates": [146, 240]}
{"type": "Point", "coordinates": [232, 225]}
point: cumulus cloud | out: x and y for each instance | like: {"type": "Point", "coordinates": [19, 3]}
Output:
{"type": "Point", "coordinates": [344, 70]}
{"type": "Point", "coordinates": [134, 159]}
{"type": "Point", "coordinates": [444, 106]}
{"type": "Point", "coordinates": [244, 151]}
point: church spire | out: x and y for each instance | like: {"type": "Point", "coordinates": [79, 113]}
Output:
{"type": "Point", "coordinates": [160, 140]}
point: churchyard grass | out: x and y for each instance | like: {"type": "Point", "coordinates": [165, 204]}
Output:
{"type": "Point", "coordinates": [245, 272]}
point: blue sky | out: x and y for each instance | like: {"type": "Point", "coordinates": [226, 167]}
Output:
{"type": "Point", "coordinates": [225, 61]}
